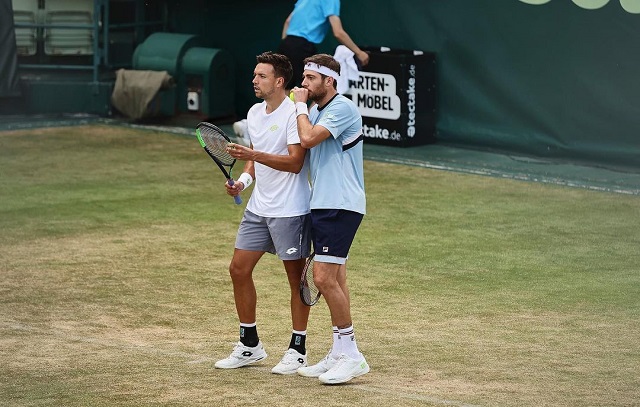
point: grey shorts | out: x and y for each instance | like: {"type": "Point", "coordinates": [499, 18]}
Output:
{"type": "Point", "coordinates": [289, 238]}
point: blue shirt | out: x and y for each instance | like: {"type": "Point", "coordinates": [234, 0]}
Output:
{"type": "Point", "coordinates": [310, 19]}
{"type": "Point", "coordinates": [336, 164]}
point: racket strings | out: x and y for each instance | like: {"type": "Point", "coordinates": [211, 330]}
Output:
{"type": "Point", "coordinates": [310, 293]}
{"type": "Point", "coordinates": [217, 144]}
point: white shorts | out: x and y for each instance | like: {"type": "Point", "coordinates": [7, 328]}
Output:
{"type": "Point", "coordinates": [289, 238]}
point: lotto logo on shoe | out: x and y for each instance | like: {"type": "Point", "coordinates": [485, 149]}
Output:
{"type": "Point", "coordinates": [246, 353]}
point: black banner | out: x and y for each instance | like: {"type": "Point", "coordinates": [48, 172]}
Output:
{"type": "Point", "coordinates": [396, 95]}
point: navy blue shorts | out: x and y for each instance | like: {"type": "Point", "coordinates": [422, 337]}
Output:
{"type": "Point", "coordinates": [333, 231]}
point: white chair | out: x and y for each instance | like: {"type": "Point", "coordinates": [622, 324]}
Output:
{"type": "Point", "coordinates": [26, 11]}
{"type": "Point", "coordinates": [68, 41]}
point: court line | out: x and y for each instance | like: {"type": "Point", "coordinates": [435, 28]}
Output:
{"type": "Point", "coordinates": [507, 175]}
{"type": "Point", "coordinates": [193, 359]}
{"type": "Point", "coordinates": [410, 396]}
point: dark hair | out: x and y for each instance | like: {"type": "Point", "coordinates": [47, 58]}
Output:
{"type": "Point", "coordinates": [281, 64]}
{"type": "Point", "coordinates": [327, 61]}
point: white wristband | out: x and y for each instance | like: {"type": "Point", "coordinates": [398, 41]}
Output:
{"type": "Point", "coordinates": [246, 179]}
{"type": "Point", "coordinates": [301, 108]}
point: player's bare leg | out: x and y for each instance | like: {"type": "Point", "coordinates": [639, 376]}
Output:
{"type": "Point", "coordinates": [249, 349]}
{"type": "Point", "coordinates": [296, 355]}
{"type": "Point", "coordinates": [331, 280]}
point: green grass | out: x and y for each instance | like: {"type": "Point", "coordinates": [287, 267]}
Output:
{"type": "Point", "coordinates": [114, 291]}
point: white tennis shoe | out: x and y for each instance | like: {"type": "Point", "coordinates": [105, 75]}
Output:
{"type": "Point", "coordinates": [290, 362]}
{"type": "Point", "coordinates": [241, 356]}
{"type": "Point", "coordinates": [345, 369]}
{"type": "Point", "coordinates": [319, 368]}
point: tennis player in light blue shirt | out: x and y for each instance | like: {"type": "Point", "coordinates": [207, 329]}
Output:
{"type": "Point", "coordinates": [332, 130]}
{"type": "Point", "coordinates": [336, 164]}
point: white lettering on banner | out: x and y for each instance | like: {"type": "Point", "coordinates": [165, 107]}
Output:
{"type": "Point", "coordinates": [380, 132]}
{"type": "Point", "coordinates": [375, 95]}
{"type": "Point", "coordinates": [411, 102]}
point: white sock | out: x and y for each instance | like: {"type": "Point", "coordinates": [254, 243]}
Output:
{"type": "Point", "coordinates": [335, 349]}
{"type": "Point", "coordinates": [348, 342]}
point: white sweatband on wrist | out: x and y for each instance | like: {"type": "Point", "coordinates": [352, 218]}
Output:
{"type": "Point", "coordinates": [246, 179]}
{"type": "Point", "coordinates": [301, 108]}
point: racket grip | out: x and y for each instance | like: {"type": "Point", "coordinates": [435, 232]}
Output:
{"type": "Point", "coordinates": [236, 198]}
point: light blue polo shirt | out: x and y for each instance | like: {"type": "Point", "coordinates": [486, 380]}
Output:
{"type": "Point", "coordinates": [310, 19]}
{"type": "Point", "coordinates": [336, 164]}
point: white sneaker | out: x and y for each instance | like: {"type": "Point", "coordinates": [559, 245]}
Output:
{"type": "Point", "coordinates": [319, 368]}
{"type": "Point", "coordinates": [290, 362]}
{"type": "Point", "coordinates": [345, 369]}
{"type": "Point", "coordinates": [242, 356]}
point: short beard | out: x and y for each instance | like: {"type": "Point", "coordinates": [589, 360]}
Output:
{"type": "Point", "coordinates": [317, 96]}
{"type": "Point", "coordinates": [264, 95]}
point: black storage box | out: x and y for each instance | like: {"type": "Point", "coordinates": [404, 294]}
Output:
{"type": "Point", "coordinates": [396, 95]}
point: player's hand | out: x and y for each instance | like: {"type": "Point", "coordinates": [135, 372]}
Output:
{"type": "Point", "coordinates": [363, 57]}
{"type": "Point", "coordinates": [234, 189]}
{"type": "Point", "coordinates": [240, 152]}
{"type": "Point", "coordinates": [300, 94]}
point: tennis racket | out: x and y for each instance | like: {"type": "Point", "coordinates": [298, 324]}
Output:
{"type": "Point", "coordinates": [215, 143]}
{"type": "Point", "coordinates": [308, 291]}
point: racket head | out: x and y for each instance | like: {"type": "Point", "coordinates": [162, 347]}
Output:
{"type": "Point", "coordinates": [215, 143]}
{"type": "Point", "coordinates": [214, 140]}
{"type": "Point", "coordinates": [309, 293]}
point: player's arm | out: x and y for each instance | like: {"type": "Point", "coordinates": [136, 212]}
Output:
{"type": "Point", "coordinates": [310, 135]}
{"type": "Point", "coordinates": [291, 162]}
{"type": "Point", "coordinates": [344, 38]}
{"type": "Point", "coordinates": [285, 26]}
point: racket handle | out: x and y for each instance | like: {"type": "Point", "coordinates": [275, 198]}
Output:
{"type": "Point", "coordinates": [236, 198]}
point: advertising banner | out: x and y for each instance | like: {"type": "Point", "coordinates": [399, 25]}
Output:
{"type": "Point", "coordinates": [396, 95]}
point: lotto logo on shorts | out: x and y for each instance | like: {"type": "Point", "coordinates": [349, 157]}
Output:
{"type": "Point", "coordinates": [325, 249]}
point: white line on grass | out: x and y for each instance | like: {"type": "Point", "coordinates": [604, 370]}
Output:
{"type": "Point", "coordinates": [514, 176]}
{"type": "Point", "coordinates": [194, 359]}
{"type": "Point", "coordinates": [410, 396]}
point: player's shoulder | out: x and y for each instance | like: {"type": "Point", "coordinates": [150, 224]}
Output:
{"type": "Point", "coordinates": [340, 98]}
{"type": "Point", "coordinates": [258, 107]}
{"type": "Point", "coordinates": [289, 104]}
{"type": "Point", "coordinates": [343, 102]}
